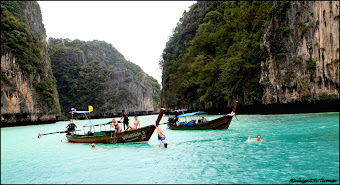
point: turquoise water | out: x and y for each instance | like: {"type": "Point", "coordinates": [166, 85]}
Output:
{"type": "Point", "coordinates": [296, 146]}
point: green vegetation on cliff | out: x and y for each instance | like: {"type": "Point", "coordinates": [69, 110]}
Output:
{"type": "Point", "coordinates": [17, 37]}
{"type": "Point", "coordinates": [214, 55]}
{"type": "Point", "coordinates": [27, 46]}
{"type": "Point", "coordinates": [95, 73]}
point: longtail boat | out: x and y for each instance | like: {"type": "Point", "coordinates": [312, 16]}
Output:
{"type": "Point", "coordinates": [103, 135]}
{"type": "Point", "coordinates": [219, 123]}
{"type": "Point", "coordinates": [142, 134]}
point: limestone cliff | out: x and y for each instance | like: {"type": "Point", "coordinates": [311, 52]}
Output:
{"type": "Point", "coordinates": [95, 73]}
{"type": "Point", "coordinates": [302, 42]}
{"type": "Point", "coordinates": [28, 88]}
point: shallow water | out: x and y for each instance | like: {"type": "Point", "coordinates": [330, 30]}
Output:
{"type": "Point", "coordinates": [296, 146]}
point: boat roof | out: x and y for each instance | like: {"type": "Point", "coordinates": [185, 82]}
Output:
{"type": "Point", "coordinates": [192, 114]}
{"type": "Point", "coordinates": [80, 112]}
{"type": "Point", "coordinates": [180, 110]}
{"type": "Point", "coordinates": [97, 123]}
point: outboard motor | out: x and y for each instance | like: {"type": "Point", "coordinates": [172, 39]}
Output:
{"type": "Point", "coordinates": [172, 121]}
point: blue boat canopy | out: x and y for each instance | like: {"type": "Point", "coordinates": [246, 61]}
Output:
{"type": "Point", "coordinates": [191, 114]}
{"type": "Point", "coordinates": [97, 123]}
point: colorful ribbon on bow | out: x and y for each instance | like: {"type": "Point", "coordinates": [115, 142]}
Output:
{"type": "Point", "coordinates": [232, 114]}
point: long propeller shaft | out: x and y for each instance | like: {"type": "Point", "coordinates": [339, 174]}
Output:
{"type": "Point", "coordinates": [39, 135]}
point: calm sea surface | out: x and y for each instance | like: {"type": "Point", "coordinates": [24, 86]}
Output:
{"type": "Point", "coordinates": [296, 146]}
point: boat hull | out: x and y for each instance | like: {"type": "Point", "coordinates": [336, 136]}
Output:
{"type": "Point", "coordinates": [219, 123]}
{"type": "Point", "coordinates": [136, 135]}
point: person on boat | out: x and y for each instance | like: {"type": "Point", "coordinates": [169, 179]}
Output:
{"type": "Point", "coordinates": [73, 110]}
{"type": "Point", "coordinates": [129, 128]}
{"type": "Point", "coordinates": [258, 139]}
{"type": "Point", "coordinates": [71, 127]}
{"type": "Point", "coordinates": [203, 120]}
{"type": "Point", "coordinates": [161, 137]}
{"type": "Point", "coordinates": [126, 119]}
{"type": "Point", "coordinates": [136, 124]}
{"type": "Point", "coordinates": [192, 122]}
{"type": "Point", "coordinates": [176, 119]}
{"type": "Point", "coordinates": [115, 125]}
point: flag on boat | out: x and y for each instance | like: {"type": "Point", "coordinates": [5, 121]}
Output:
{"type": "Point", "coordinates": [90, 108]}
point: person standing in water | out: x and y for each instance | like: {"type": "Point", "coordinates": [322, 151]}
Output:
{"type": "Point", "coordinates": [161, 137]}
{"type": "Point", "coordinates": [126, 119]}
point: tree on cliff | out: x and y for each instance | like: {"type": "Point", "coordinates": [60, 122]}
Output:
{"type": "Point", "coordinates": [214, 55]}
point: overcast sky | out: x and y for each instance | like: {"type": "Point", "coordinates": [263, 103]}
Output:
{"type": "Point", "coordinates": [137, 29]}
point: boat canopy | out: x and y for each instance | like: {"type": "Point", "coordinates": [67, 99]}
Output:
{"type": "Point", "coordinates": [73, 110]}
{"type": "Point", "coordinates": [180, 110]}
{"type": "Point", "coordinates": [97, 123]}
{"type": "Point", "coordinates": [80, 112]}
{"type": "Point", "coordinates": [191, 114]}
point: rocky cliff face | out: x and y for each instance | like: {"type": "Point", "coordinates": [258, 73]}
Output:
{"type": "Point", "coordinates": [95, 73]}
{"type": "Point", "coordinates": [28, 89]}
{"type": "Point", "coordinates": [303, 46]}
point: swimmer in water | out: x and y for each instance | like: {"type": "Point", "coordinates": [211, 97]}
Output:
{"type": "Point", "coordinates": [93, 145]}
{"type": "Point", "coordinates": [258, 139]}
{"type": "Point", "coordinates": [249, 138]}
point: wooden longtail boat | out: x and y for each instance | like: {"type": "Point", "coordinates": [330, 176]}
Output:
{"type": "Point", "coordinates": [219, 123]}
{"type": "Point", "coordinates": [136, 135]}
{"type": "Point", "coordinates": [142, 134]}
